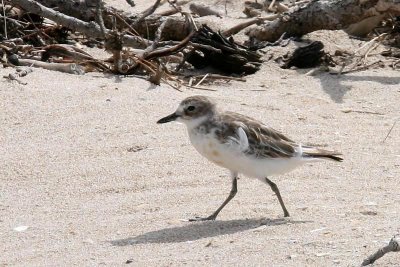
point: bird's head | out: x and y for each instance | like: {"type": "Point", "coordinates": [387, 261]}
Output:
{"type": "Point", "coordinates": [192, 111]}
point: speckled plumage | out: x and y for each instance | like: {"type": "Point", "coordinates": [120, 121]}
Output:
{"type": "Point", "coordinates": [242, 144]}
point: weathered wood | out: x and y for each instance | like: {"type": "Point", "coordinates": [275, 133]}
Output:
{"type": "Point", "coordinates": [324, 14]}
{"type": "Point", "coordinates": [176, 29]}
{"type": "Point", "coordinates": [88, 28]}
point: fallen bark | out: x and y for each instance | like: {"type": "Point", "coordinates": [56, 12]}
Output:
{"type": "Point", "coordinates": [323, 15]}
{"type": "Point", "coordinates": [229, 57]}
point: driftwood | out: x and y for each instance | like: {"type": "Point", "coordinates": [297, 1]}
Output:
{"type": "Point", "coordinates": [393, 246]}
{"type": "Point", "coordinates": [203, 10]}
{"type": "Point", "coordinates": [71, 68]}
{"type": "Point", "coordinates": [88, 28]}
{"type": "Point", "coordinates": [323, 15]}
{"type": "Point", "coordinates": [176, 28]}
{"type": "Point", "coordinates": [241, 26]}
{"type": "Point", "coordinates": [162, 43]}
{"type": "Point", "coordinates": [202, 47]}
{"type": "Point", "coordinates": [362, 28]}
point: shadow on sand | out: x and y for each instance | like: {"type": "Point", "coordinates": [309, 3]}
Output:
{"type": "Point", "coordinates": [198, 230]}
{"type": "Point", "coordinates": [336, 88]}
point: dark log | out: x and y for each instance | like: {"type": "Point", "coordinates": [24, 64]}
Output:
{"type": "Point", "coordinates": [230, 56]}
{"type": "Point", "coordinates": [306, 57]}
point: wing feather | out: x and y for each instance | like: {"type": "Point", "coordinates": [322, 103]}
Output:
{"type": "Point", "coordinates": [253, 137]}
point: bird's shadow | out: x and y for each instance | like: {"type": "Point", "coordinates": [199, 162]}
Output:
{"type": "Point", "coordinates": [198, 230]}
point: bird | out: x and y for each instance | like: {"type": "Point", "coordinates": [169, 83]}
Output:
{"type": "Point", "coordinates": [242, 145]}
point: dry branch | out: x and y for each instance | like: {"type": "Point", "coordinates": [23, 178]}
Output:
{"type": "Point", "coordinates": [323, 15]}
{"type": "Point", "coordinates": [393, 246]}
{"type": "Point", "coordinates": [146, 13]}
{"type": "Point", "coordinates": [241, 26]}
{"type": "Point", "coordinates": [71, 68]}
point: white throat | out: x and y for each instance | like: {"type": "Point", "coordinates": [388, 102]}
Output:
{"type": "Point", "coordinates": [193, 123]}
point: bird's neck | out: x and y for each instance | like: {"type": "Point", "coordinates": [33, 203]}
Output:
{"type": "Point", "coordinates": [195, 123]}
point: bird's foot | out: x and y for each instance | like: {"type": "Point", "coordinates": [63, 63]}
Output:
{"type": "Point", "coordinates": [200, 219]}
{"type": "Point", "coordinates": [286, 214]}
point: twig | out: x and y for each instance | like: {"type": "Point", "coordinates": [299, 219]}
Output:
{"type": "Point", "coordinates": [202, 79]}
{"type": "Point", "coordinates": [176, 8]}
{"type": "Point", "coordinates": [146, 13]}
{"type": "Point", "coordinates": [159, 32]}
{"type": "Point", "coordinates": [207, 47]}
{"type": "Point", "coordinates": [170, 50]}
{"type": "Point", "coordinates": [118, 16]}
{"type": "Point", "coordinates": [297, 3]}
{"type": "Point", "coordinates": [189, 17]}
{"type": "Point", "coordinates": [17, 23]}
{"type": "Point", "coordinates": [282, 8]}
{"type": "Point", "coordinates": [241, 26]}
{"type": "Point", "coordinates": [5, 20]}
{"type": "Point", "coordinates": [200, 88]}
{"type": "Point", "coordinates": [270, 8]}
{"type": "Point", "coordinates": [222, 77]}
{"type": "Point", "coordinates": [362, 112]}
{"type": "Point", "coordinates": [356, 69]}
{"type": "Point", "coordinates": [373, 40]}
{"type": "Point", "coordinates": [393, 246]}
{"type": "Point", "coordinates": [363, 56]}
{"type": "Point", "coordinates": [394, 123]}
{"type": "Point", "coordinates": [99, 17]}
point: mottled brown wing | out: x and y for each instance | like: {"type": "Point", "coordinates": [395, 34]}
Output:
{"type": "Point", "coordinates": [264, 141]}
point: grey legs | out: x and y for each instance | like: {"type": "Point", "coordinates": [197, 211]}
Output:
{"type": "Point", "coordinates": [274, 188]}
{"type": "Point", "coordinates": [232, 194]}
{"type": "Point", "coordinates": [229, 198]}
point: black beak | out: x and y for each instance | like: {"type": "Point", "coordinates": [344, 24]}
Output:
{"type": "Point", "coordinates": [169, 118]}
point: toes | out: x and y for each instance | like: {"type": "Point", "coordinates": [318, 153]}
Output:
{"type": "Point", "coordinates": [199, 219]}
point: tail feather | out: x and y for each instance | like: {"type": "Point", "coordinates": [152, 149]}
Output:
{"type": "Point", "coordinates": [321, 153]}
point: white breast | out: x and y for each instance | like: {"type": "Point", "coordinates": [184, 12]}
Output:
{"type": "Point", "coordinates": [231, 156]}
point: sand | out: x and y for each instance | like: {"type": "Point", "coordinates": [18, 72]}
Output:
{"type": "Point", "coordinates": [96, 181]}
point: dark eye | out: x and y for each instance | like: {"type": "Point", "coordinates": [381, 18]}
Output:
{"type": "Point", "coordinates": [191, 108]}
